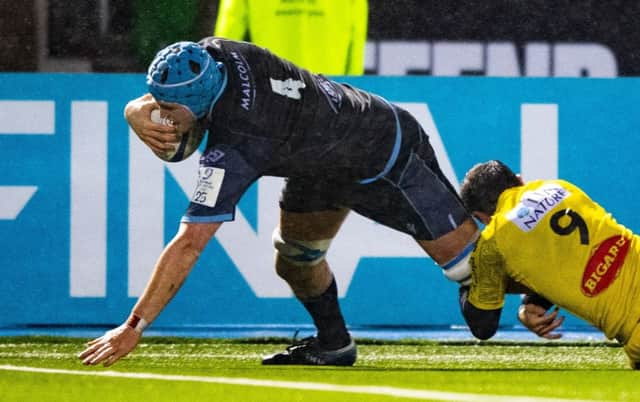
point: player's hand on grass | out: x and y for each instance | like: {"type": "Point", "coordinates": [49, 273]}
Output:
{"type": "Point", "coordinates": [536, 319]}
{"type": "Point", "coordinates": [157, 136]}
{"type": "Point", "coordinates": [111, 346]}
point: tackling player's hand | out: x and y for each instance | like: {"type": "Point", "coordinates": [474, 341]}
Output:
{"type": "Point", "coordinates": [111, 346]}
{"type": "Point", "coordinates": [536, 320]}
{"type": "Point", "coordinates": [159, 137]}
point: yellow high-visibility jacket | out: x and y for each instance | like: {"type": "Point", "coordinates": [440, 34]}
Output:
{"type": "Point", "coordinates": [323, 36]}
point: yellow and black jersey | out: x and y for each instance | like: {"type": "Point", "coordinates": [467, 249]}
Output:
{"type": "Point", "coordinates": [551, 237]}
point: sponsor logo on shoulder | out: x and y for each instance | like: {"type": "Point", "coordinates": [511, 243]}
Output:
{"type": "Point", "coordinates": [536, 204]}
{"type": "Point", "coordinates": [331, 92]}
{"type": "Point", "coordinates": [604, 265]}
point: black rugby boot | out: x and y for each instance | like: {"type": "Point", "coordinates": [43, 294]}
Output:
{"type": "Point", "coordinates": [308, 351]}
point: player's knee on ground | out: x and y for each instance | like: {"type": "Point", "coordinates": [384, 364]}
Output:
{"type": "Point", "coordinates": [298, 253]}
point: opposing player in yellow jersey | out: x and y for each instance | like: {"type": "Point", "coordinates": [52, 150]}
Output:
{"type": "Point", "coordinates": [550, 237]}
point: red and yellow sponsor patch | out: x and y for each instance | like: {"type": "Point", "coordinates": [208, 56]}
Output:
{"type": "Point", "coordinates": [604, 265]}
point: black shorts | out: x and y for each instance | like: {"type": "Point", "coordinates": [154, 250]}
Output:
{"type": "Point", "coordinates": [414, 197]}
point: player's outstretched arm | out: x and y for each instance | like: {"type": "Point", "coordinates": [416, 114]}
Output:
{"type": "Point", "coordinates": [170, 271]}
{"type": "Point", "coordinates": [159, 137]}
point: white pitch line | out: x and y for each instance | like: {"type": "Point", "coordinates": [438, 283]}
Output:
{"type": "Point", "coordinates": [309, 386]}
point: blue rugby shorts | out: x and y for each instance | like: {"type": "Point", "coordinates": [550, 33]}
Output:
{"type": "Point", "coordinates": [414, 197]}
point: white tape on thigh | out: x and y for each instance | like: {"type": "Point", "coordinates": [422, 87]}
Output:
{"type": "Point", "coordinates": [302, 253]}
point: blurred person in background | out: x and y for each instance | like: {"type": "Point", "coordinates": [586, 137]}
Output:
{"type": "Point", "coordinates": [323, 36]}
{"type": "Point", "coordinates": [551, 238]}
{"type": "Point", "coordinates": [339, 148]}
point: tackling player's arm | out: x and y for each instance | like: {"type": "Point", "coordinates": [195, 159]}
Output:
{"type": "Point", "coordinates": [481, 303]}
{"type": "Point", "coordinates": [532, 313]}
{"type": "Point", "coordinates": [482, 323]}
{"type": "Point", "coordinates": [172, 268]}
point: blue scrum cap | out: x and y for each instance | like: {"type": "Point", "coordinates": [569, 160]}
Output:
{"type": "Point", "coordinates": [185, 73]}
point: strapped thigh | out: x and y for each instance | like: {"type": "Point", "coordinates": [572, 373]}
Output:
{"type": "Point", "coordinates": [300, 253]}
{"type": "Point", "coordinates": [304, 238]}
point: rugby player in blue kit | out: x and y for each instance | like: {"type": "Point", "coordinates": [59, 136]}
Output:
{"type": "Point", "coordinates": [339, 148]}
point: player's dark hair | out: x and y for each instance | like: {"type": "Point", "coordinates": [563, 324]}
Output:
{"type": "Point", "coordinates": [484, 183]}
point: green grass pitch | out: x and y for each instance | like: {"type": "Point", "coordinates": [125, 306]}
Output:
{"type": "Point", "coordinates": [187, 369]}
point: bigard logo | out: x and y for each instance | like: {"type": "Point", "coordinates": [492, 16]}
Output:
{"type": "Point", "coordinates": [604, 265]}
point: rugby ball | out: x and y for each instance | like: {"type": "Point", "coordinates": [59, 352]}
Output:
{"type": "Point", "coordinates": [189, 142]}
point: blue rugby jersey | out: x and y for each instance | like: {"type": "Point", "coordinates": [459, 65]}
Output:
{"type": "Point", "coordinates": [275, 119]}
